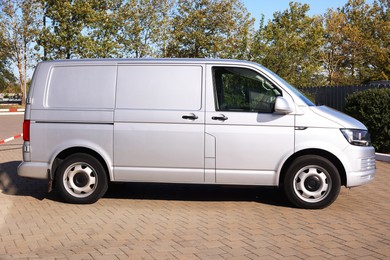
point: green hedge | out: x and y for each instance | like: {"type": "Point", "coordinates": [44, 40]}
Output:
{"type": "Point", "coordinates": [372, 108]}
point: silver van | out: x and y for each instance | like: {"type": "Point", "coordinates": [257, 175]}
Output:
{"type": "Point", "coordinates": [201, 121]}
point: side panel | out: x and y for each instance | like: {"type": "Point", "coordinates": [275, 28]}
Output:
{"type": "Point", "coordinates": [159, 124]}
{"type": "Point", "coordinates": [71, 105]}
{"type": "Point", "coordinates": [49, 139]}
{"type": "Point", "coordinates": [91, 86]}
{"type": "Point", "coordinates": [159, 87]}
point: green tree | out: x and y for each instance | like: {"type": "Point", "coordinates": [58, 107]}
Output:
{"type": "Point", "coordinates": [290, 45]}
{"type": "Point", "coordinates": [144, 27]}
{"type": "Point", "coordinates": [6, 76]}
{"type": "Point", "coordinates": [63, 33]}
{"type": "Point", "coordinates": [103, 29]}
{"type": "Point", "coordinates": [100, 29]}
{"type": "Point", "coordinates": [332, 54]}
{"type": "Point", "coordinates": [18, 19]}
{"type": "Point", "coordinates": [380, 41]}
{"type": "Point", "coordinates": [357, 41]}
{"type": "Point", "coordinates": [210, 28]}
{"type": "Point", "coordinates": [366, 41]}
{"type": "Point", "coordinates": [165, 22]}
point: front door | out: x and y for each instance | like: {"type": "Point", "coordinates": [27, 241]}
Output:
{"type": "Point", "coordinates": [247, 139]}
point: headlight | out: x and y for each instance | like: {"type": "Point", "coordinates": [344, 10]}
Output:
{"type": "Point", "coordinates": [357, 136]}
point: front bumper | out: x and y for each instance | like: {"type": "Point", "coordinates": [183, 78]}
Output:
{"type": "Point", "coordinates": [365, 175]}
{"type": "Point", "coordinates": [360, 178]}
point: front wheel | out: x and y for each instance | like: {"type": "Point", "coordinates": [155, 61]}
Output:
{"type": "Point", "coordinates": [312, 182]}
{"type": "Point", "coordinates": [81, 179]}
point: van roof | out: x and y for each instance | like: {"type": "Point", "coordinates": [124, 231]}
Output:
{"type": "Point", "coordinates": [149, 60]}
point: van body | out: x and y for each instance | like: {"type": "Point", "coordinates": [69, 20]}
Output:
{"type": "Point", "coordinates": [200, 121]}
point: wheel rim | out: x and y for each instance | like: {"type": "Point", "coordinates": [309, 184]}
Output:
{"type": "Point", "coordinates": [312, 183]}
{"type": "Point", "coordinates": [80, 180]}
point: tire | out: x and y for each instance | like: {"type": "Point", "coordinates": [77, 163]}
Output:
{"type": "Point", "coordinates": [312, 182]}
{"type": "Point", "coordinates": [81, 179]}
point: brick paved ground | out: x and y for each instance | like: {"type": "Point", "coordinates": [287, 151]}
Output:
{"type": "Point", "coordinates": [187, 222]}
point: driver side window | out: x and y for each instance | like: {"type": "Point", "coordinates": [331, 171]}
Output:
{"type": "Point", "coordinates": [239, 89]}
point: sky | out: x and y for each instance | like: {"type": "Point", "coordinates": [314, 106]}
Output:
{"type": "Point", "coordinates": [268, 8]}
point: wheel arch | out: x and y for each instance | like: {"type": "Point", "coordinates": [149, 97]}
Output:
{"type": "Point", "coordinates": [73, 150]}
{"type": "Point", "coordinates": [325, 154]}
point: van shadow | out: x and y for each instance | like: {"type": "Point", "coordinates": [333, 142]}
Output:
{"type": "Point", "coordinates": [12, 184]}
{"type": "Point", "coordinates": [200, 192]}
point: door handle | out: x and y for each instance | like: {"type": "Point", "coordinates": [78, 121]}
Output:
{"type": "Point", "coordinates": [191, 116]}
{"type": "Point", "coordinates": [220, 118]}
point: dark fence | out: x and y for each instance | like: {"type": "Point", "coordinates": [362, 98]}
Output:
{"type": "Point", "coordinates": [335, 96]}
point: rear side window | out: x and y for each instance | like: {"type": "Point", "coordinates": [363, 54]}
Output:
{"type": "Point", "coordinates": [160, 87]}
{"type": "Point", "coordinates": [240, 89]}
{"type": "Point", "coordinates": [81, 87]}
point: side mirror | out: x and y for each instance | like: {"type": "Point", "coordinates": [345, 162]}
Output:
{"type": "Point", "coordinates": [282, 106]}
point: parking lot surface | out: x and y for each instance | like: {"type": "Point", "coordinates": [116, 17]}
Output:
{"type": "Point", "coordinates": [152, 221]}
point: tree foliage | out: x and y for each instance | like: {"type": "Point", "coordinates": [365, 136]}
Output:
{"type": "Point", "coordinates": [333, 56]}
{"type": "Point", "coordinates": [357, 43]}
{"type": "Point", "coordinates": [289, 45]}
{"type": "Point", "coordinates": [379, 41]}
{"type": "Point", "coordinates": [7, 79]}
{"type": "Point", "coordinates": [348, 45]}
{"type": "Point", "coordinates": [144, 27]}
{"type": "Point", "coordinates": [210, 28]}
{"type": "Point", "coordinates": [64, 32]}
{"type": "Point", "coordinates": [18, 19]}
{"type": "Point", "coordinates": [6, 76]}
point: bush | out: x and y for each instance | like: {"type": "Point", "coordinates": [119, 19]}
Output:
{"type": "Point", "coordinates": [372, 108]}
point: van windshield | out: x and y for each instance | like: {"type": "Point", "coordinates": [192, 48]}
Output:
{"type": "Point", "coordinates": [296, 91]}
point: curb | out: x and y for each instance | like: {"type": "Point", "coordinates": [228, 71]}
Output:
{"type": "Point", "coordinates": [382, 157]}
{"type": "Point", "coordinates": [12, 110]}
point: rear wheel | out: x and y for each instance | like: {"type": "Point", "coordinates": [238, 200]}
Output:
{"type": "Point", "coordinates": [81, 179]}
{"type": "Point", "coordinates": [312, 182]}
